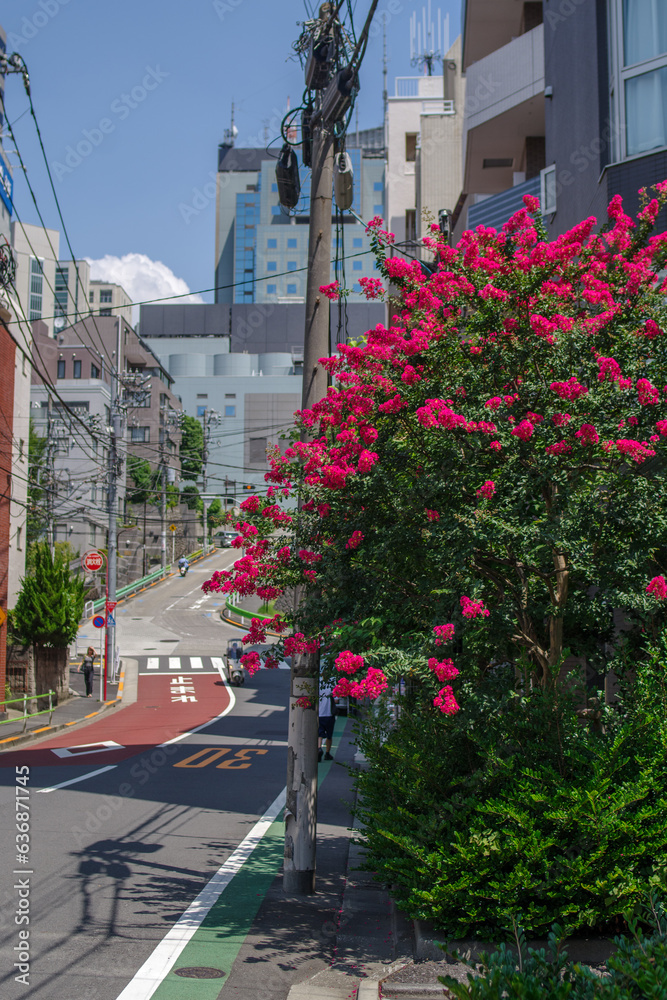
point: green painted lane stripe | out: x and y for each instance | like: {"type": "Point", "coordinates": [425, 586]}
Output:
{"type": "Point", "coordinates": [218, 941]}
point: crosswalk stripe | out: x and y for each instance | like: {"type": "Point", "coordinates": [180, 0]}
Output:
{"type": "Point", "coordinates": [152, 663]}
{"type": "Point", "coordinates": [196, 663]}
{"type": "Point", "coordinates": [217, 664]}
{"type": "Point", "coordinates": [174, 663]}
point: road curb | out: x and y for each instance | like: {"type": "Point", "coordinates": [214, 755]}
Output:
{"type": "Point", "coordinates": [15, 741]}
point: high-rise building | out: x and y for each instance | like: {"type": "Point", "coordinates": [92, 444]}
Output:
{"type": "Point", "coordinates": [262, 251]}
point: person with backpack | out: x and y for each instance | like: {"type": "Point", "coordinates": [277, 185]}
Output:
{"type": "Point", "coordinates": [87, 668]}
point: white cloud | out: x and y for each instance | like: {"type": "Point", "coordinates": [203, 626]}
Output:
{"type": "Point", "coordinates": [141, 277]}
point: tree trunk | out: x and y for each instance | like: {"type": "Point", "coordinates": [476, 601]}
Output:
{"type": "Point", "coordinates": [51, 674]}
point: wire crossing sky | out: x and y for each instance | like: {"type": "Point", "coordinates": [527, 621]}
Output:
{"type": "Point", "coordinates": [132, 107]}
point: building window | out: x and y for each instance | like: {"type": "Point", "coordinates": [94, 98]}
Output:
{"type": "Point", "coordinates": [291, 265]}
{"type": "Point", "coordinates": [230, 411]}
{"type": "Point", "coordinates": [357, 242]}
{"type": "Point", "coordinates": [200, 395]}
{"type": "Point", "coordinates": [36, 287]}
{"type": "Point", "coordinates": [275, 210]}
{"type": "Point", "coordinates": [411, 224]}
{"type": "Point", "coordinates": [77, 369]}
{"type": "Point", "coordinates": [410, 147]}
{"type": "Point", "coordinates": [271, 289]}
{"type": "Point", "coordinates": [274, 188]}
{"type": "Point", "coordinates": [139, 435]}
{"type": "Point", "coordinates": [378, 209]}
{"type": "Point", "coordinates": [271, 265]}
{"type": "Point", "coordinates": [105, 312]}
{"type": "Point", "coordinates": [105, 295]}
{"type": "Point", "coordinates": [91, 296]}
{"type": "Point", "coordinates": [257, 450]}
{"type": "Point", "coordinates": [358, 265]}
{"type": "Point", "coordinates": [638, 77]}
{"type": "Point", "coordinates": [61, 369]}
{"type": "Point", "coordinates": [291, 244]}
{"type": "Point", "coordinates": [230, 395]}
{"type": "Point", "coordinates": [272, 244]}
{"type": "Point", "coordinates": [378, 186]}
{"type": "Point", "coordinates": [291, 289]}
{"type": "Point", "coordinates": [94, 371]}
{"type": "Point", "coordinates": [201, 411]}
{"type": "Point", "coordinates": [548, 190]}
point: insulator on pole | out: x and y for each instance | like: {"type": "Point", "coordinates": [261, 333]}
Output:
{"type": "Point", "coordinates": [343, 181]}
{"type": "Point", "coordinates": [287, 177]}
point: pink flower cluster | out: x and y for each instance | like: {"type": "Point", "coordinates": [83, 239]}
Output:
{"type": "Point", "coordinates": [251, 662]}
{"type": "Point", "coordinates": [524, 430]}
{"type": "Point", "coordinates": [355, 540]}
{"type": "Point", "coordinates": [331, 291]}
{"type": "Point", "coordinates": [348, 663]}
{"type": "Point", "coordinates": [572, 389]}
{"type": "Point", "coordinates": [443, 633]}
{"type": "Point", "coordinates": [471, 609]}
{"type": "Point", "coordinates": [371, 686]}
{"type": "Point", "coordinates": [446, 701]}
{"type": "Point", "coordinates": [432, 515]}
{"type": "Point", "coordinates": [444, 670]}
{"type": "Point", "coordinates": [658, 588]}
{"type": "Point", "coordinates": [587, 434]}
{"type": "Point", "coordinates": [487, 489]}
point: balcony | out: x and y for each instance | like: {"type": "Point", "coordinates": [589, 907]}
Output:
{"type": "Point", "coordinates": [504, 105]}
{"type": "Point", "coordinates": [496, 210]}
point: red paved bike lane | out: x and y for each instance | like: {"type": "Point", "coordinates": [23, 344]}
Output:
{"type": "Point", "coordinates": [167, 707]}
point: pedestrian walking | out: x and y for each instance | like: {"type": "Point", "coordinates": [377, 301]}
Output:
{"type": "Point", "coordinates": [326, 720]}
{"type": "Point", "coordinates": [87, 668]}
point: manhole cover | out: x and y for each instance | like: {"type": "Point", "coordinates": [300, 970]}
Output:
{"type": "Point", "coordinates": [199, 972]}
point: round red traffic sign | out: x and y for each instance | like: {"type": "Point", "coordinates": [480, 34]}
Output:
{"type": "Point", "coordinates": [99, 621]}
{"type": "Point", "coordinates": [92, 561]}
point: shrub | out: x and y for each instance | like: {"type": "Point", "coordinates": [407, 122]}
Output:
{"type": "Point", "coordinates": [637, 971]}
{"type": "Point", "coordinates": [517, 810]}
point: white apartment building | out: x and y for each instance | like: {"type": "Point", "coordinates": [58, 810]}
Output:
{"type": "Point", "coordinates": [107, 299]}
{"type": "Point", "coordinates": [424, 131]}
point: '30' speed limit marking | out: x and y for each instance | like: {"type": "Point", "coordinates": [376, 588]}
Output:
{"type": "Point", "coordinates": [203, 758]}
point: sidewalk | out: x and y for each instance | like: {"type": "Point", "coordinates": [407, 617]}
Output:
{"type": "Point", "coordinates": [347, 941]}
{"type": "Point", "coordinates": [75, 709]}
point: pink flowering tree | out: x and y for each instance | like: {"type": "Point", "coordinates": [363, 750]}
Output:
{"type": "Point", "coordinates": [487, 471]}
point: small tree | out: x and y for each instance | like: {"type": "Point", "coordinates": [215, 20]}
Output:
{"type": "Point", "coordinates": [192, 448]}
{"type": "Point", "coordinates": [50, 603]}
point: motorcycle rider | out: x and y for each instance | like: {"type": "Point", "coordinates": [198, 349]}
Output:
{"type": "Point", "coordinates": [183, 565]}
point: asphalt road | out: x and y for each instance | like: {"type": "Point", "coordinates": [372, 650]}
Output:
{"type": "Point", "coordinates": [111, 830]}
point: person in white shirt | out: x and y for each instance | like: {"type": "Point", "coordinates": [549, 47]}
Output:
{"type": "Point", "coordinates": [326, 720]}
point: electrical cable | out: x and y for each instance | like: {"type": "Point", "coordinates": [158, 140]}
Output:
{"type": "Point", "coordinates": [41, 219]}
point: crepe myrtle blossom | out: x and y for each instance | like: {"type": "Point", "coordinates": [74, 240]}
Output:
{"type": "Point", "coordinates": [658, 588]}
{"type": "Point", "coordinates": [348, 663]}
{"type": "Point", "coordinates": [432, 515]}
{"type": "Point", "coordinates": [444, 670]}
{"type": "Point", "coordinates": [487, 489]}
{"type": "Point", "coordinates": [471, 609]}
{"type": "Point", "coordinates": [251, 662]}
{"type": "Point", "coordinates": [331, 291]}
{"type": "Point", "coordinates": [446, 701]}
{"type": "Point", "coordinates": [443, 633]}
{"type": "Point", "coordinates": [355, 540]}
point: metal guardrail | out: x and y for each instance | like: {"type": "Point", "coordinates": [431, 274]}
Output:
{"type": "Point", "coordinates": [30, 715]}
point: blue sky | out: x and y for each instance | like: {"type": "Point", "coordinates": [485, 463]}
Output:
{"type": "Point", "coordinates": [146, 87]}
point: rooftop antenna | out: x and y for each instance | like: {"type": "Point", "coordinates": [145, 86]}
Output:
{"type": "Point", "coordinates": [426, 39]}
{"type": "Point", "coordinates": [232, 132]}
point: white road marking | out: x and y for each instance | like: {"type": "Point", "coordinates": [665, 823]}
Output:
{"type": "Point", "coordinates": [175, 739]}
{"type": "Point", "coordinates": [165, 955]}
{"type": "Point", "coordinates": [174, 663]}
{"type": "Point", "coordinates": [74, 781]}
{"type": "Point", "coordinates": [84, 748]}
{"type": "Point", "coordinates": [152, 663]}
{"type": "Point", "coordinates": [196, 663]}
{"type": "Point", "coordinates": [217, 662]}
